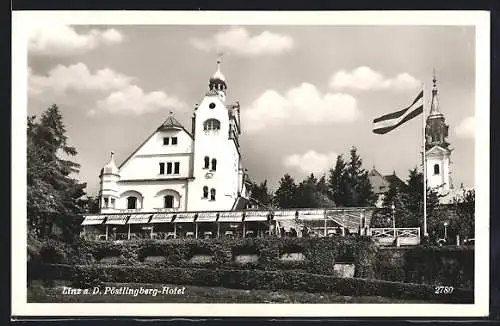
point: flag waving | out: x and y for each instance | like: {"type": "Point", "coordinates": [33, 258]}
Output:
{"type": "Point", "coordinates": [390, 121]}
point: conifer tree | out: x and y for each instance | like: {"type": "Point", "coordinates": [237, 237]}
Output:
{"type": "Point", "coordinates": [286, 194]}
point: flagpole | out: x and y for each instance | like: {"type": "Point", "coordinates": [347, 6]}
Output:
{"type": "Point", "coordinates": [424, 161]}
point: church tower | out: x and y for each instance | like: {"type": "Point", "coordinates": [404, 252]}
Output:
{"type": "Point", "coordinates": [217, 169]}
{"type": "Point", "coordinates": [437, 148]}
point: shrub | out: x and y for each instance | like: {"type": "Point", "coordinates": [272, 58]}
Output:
{"type": "Point", "coordinates": [258, 279]}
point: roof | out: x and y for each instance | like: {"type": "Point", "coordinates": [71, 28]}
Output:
{"type": "Point", "coordinates": [172, 123]}
{"type": "Point", "coordinates": [381, 183]}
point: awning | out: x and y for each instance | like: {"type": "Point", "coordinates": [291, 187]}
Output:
{"type": "Point", "coordinates": [284, 215]}
{"type": "Point", "coordinates": [93, 219]}
{"type": "Point", "coordinates": [184, 217]}
{"type": "Point", "coordinates": [230, 217]}
{"type": "Point", "coordinates": [162, 218]}
{"type": "Point", "coordinates": [312, 214]}
{"type": "Point", "coordinates": [288, 225]}
{"type": "Point", "coordinates": [207, 217]}
{"type": "Point", "coordinates": [116, 219]}
{"type": "Point", "coordinates": [256, 215]}
{"type": "Point", "coordinates": [139, 219]}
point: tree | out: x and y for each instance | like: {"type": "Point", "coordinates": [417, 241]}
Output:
{"type": "Point", "coordinates": [286, 194]}
{"type": "Point", "coordinates": [349, 183]}
{"type": "Point", "coordinates": [464, 209]}
{"type": "Point", "coordinates": [261, 193]}
{"type": "Point", "coordinates": [53, 196]}
{"type": "Point", "coordinates": [306, 193]}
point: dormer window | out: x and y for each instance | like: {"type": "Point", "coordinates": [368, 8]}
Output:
{"type": "Point", "coordinates": [211, 124]}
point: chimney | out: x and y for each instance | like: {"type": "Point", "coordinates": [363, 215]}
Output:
{"type": "Point", "coordinates": [193, 119]}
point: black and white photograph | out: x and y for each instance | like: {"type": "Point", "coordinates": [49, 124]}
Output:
{"type": "Point", "coordinates": [298, 160]}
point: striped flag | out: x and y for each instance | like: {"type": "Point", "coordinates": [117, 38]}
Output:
{"type": "Point", "coordinates": [390, 121]}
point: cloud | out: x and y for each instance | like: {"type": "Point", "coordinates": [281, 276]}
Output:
{"type": "Point", "coordinates": [237, 40]}
{"type": "Point", "coordinates": [311, 161]}
{"type": "Point", "coordinates": [119, 94]}
{"type": "Point", "coordinates": [62, 40]}
{"type": "Point", "coordinates": [77, 77]}
{"type": "Point", "coordinates": [466, 128]}
{"type": "Point", "coordinates": [365, 78]}
{"type": "Point", "coordinates": [300, 105]}
{"type": "Point", "coordinates": [133, 100]}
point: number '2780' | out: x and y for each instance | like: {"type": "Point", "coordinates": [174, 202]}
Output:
{"type": "Point", "coordinates": [443, 289]}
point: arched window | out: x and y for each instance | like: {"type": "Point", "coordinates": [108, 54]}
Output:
{"type": "Point", "coordinates": [169, 201]}
{"type": "Point", "coordinates": [207, 162]}
{"type": "Point", "coordinates": [212, 194]}
{"type": "Point", "coordinates": [214, 164]}
{"type": "Point", "coordinates": [436, 168]}
{"type": "Point", "coordinates": [211, 124]}
{"type": "Point", "coordinates": [132, 202]}
{"type": "Point", "coordinates": [205, 192]}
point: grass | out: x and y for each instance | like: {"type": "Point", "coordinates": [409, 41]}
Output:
{"type": "Point", "coordinates": [38, 293]}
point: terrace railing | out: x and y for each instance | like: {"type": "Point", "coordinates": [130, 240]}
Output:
{"type": "Point", "coordinates": [405, 236]}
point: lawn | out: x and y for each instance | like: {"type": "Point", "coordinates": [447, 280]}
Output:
{"type": "Point", "coordinates": [39, 293]}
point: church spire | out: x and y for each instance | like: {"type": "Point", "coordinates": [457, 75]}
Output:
{"type": "Point", "coordinates": [436, 129]}
{"type": "Point", "coordinates": [434, 103]}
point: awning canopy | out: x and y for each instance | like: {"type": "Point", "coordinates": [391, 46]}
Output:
{"type": "Point", "coordinates": [312, 214]}
{"type": "Point", "coordinates": [162, 218]}
{"type": "Point", "coordinates": [139, 219]}
{"type": "Point", "coordinates": [256, 215]}
{"type": "Point", "coordinates": [284, 215]}
{"type": "Point", "coordinates": [184, 218]}
{"type": "Point", "coordinates": [116, 219]}
{"type": "Point", "coordinates": [207, 217]}
{"type": "Point", "coordinates": [93, 219]}
{"type": "Point", "coordinates": [288, 225]}
{"type": "Point", "coordinates": [230, 217]}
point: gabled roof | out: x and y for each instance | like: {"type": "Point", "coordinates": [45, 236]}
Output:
{"type": "Point", "coordinates": [172, 123]}
{"type": "Point", "coordinates": [169, 124]}
{"type": "Point", "coordinates": [437, 148]}
{"type": "Point", "coordinates": [394, 179]}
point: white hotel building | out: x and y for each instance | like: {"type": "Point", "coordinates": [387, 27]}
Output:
{"type": "Point", "coordinates": [175, 169]}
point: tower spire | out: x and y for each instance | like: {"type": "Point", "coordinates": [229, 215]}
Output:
{"type": "Point", "coordinates": [434, 102]}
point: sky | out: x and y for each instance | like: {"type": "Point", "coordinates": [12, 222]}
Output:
{"type": "Point", "coordinates": [307, 93]}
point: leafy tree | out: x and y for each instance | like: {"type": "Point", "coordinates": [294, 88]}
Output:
{"type": "Point", "coordinates": [286, 194]}
{"type": "Point", "coordinates": [261, 193]}
{"type": "Point", "coordinates": [349, 183]}
{"type": "Point", "coordinates": [464, 209]}
{"type": "Point", "coordinates": [53, 196]}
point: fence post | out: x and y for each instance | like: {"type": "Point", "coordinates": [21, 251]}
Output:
{"type": "Point", "coordinates": [325, 224]}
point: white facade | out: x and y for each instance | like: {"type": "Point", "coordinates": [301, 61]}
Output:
{"type": "Point", "coordinates": [177, 170]}
{"type": "Point", "coordinates": [438, 169]}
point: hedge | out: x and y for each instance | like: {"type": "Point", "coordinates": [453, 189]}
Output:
{"type": "Point", "coordinates": [251, 279]}
{"type": "Point", "coordinates": [320, 254]}
{"type": "Point", "coordinates": [448, 266]}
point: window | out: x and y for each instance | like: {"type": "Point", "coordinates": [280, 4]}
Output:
{"type": "Point", "coordinates": [436, 168]}
{"type": "Point", "coordinates": [112, 203]}
{"type": "Point", "coordinates": [176, 167]}
{"type": "Point", "coordinates": [211, 105]}
{"type": "Point", "coordinates": [166, 141]}
{"type": "Point", "coordinates": [211, 124]}
{"type": "Point", "coordinates": [169, 201]}
{"type": "Point", "coordinates": [169, 168]}
{"type": "Point", "coordinates": [214, 164]}
{"type": "Point", "coordinates": [212, 194]}
{"type": "Point", "coordinates": [162, 168]}
{"type": "Point", "coordinates": [205, 192]}
{"type": "Point", "coordinates": [105, 202]}
{"type": "Point", "coordinates": [131, 202]}
{"type": "Point", "coordinates": [174, 140]}
{"type": "Point", "coordinates": [207, 162]}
